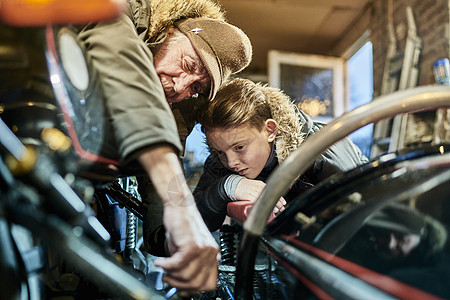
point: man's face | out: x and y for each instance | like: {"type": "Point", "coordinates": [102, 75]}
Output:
{"type": "Point", "coordinates": [181, 71]}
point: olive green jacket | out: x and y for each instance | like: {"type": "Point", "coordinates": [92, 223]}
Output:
{"type": "Point", "coordinates": [120, 50]}
{"type": "Point", "coordinates": [136, 106]}
{"type": "Point", "coordinates": [134, 99]}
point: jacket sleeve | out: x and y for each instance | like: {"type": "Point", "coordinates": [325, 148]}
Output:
{"type": "Point", "coordinates": [340, 157]}
{"type": "Point", "coordinates": [210, 194]}
{"type": "Point", "coordinates": [134, 99]}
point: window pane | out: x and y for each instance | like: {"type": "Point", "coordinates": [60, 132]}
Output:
{"type": "Point", "coordinates": [360, 75]}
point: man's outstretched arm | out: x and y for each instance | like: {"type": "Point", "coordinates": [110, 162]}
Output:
{"type": "Point", "coordinates": [194, 252]}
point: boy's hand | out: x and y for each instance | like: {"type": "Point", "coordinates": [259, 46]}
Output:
{"type": "Point", "coordinates": [250, 189]}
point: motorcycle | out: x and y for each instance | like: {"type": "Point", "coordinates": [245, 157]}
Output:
{"type": "Point", "coordinates": [53, 243]}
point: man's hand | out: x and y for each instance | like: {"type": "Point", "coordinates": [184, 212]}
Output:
{"type": "Point", "coordinates": [195, 254]}
{"type": "Point", "coordinates": [250, 189]}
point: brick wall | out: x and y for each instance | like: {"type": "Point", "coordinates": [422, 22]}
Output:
{"type": "Point", "coordinates": [432, 23]}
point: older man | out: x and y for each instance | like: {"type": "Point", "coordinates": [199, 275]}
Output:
{"type": "Point", "coordinates": [150, 58]}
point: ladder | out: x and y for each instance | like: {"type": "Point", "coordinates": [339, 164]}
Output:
{"type": "Point", "coordinates": [401, 72]}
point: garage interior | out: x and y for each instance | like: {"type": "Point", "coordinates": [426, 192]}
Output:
{"type": "Point", "coordinates": [330, 57]}
{"type": "Point", "coordinates": [404, 36]}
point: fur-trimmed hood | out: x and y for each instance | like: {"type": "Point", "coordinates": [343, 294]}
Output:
{"type": "Point", "coordinates": [293, 125]}
{"type": "Point", "coordinates": [166, 12]}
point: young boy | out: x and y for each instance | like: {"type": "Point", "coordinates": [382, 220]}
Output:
{"type": "Point", "coordinates": [250, 129]}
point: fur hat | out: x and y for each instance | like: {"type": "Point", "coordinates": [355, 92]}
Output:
{"type": "Point", "coordinates": [223, 48]}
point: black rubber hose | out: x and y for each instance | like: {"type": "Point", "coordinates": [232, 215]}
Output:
{"type": "Point", "coordinates": [245, 266]}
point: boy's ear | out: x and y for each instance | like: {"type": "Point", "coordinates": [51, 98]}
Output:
{"type": "Point", "coordinates": [271, 128]}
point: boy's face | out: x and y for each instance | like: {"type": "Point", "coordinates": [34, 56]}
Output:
{"type": "Point", "coordinates": [181, 71]}
{"type": "Point", "coordinates": [243, 149]}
